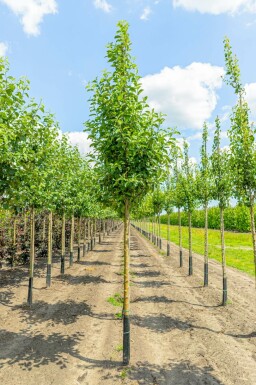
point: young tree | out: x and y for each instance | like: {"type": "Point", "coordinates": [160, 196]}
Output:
{"type": "Point", "coordinates": [221, 192]}
{"type": "Point", "coordinates": [178, 195]}
{"type": "Point", "coordinates": [242, 142]}
{"type": "Point", "coordinates": [204, 193]}
{"type": "Point", "coordinates": [188, 183]}
{"type": "Point", "coordinates": [158, 199]}
{"type": "Point", "coordinates": [168, 205]}
{"type": "Point", "coordinates": [129, 147]}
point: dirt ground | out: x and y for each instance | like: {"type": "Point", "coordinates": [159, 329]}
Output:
{"type": "Point", "coordinates": [179, 333]}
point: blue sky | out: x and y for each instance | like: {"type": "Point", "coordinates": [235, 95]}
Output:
{"type": "Point", "coordinates": [60, 45]}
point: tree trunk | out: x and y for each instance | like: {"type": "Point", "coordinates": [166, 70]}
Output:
{"type": "Point", "coordinates": [100, 228]}
{"type": "Point", "coordinates": [95, 231]}
{"type": "Point", "coordinates": [253, 234]}
{"type": "Point", "coordinates": [32, 256]}
{"type": "Point", "coordinates": [78, 240]}
{"type": "Point", "coordinates": [25, 227]}
{"type": "Point", "coordinates": [190, 268]}
{"type": "Point", "coordinates": [63, 245]}
{"type": "Point", "coordinates": [91, 234]}
{"type": "Point", "coordinates": [180, 238]}
{"type": "Point", "coordinates": [168, 235]}
{"type": "Point", "coordinates": [14, 240]}
{"type": "Point", "coordinates": [126, 307]}
{"type": "Point", "coordinates": [159, 231]}
{"type": "Point", "coordinates": [223, 257]}
{"type": "Point", "coordinates": [15, 231]}
{"type": "Point", "coordinates": [44, 230]}
{"type": "Point", "coordinates": [84, 243]}
{"type": "Point", "coordinates": [206, 245]}
{"type": "Point", "coordinates": [71, 250]}
{"type": "Point", "coordinates": [49, 251]}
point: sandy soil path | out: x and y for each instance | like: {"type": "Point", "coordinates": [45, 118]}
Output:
{"type": "Point", "coordinates": [180, 334]}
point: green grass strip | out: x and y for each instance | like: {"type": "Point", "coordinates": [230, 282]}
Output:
{"type": "Point", "coordinates": [239, 253]}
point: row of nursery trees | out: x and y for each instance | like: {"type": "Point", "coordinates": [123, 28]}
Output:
{"type": "Point", "coordinates": [221, 174]}
{"type": "Point", "coordinates": [132, 156]}
{"type": "Point", "coordinates": [42, 174]}
{"type": "Point", "coordinates": [137, 161]}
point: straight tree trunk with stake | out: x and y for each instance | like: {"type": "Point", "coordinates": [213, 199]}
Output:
{"type": "Point", "coordinates": [180, 238]}
{"type": "Point", "coordinates": [32, 256]}
{"type": "Point", "coordinates": [71, 246]}
{"type": "Point", "coordinates": [168, 235]}
{"type": "Point", "coordinates": [253, 233]}
{"type": "Point", "coordinates": [49, 251]}
{"type": "Point", "coordinates": [78, 239]}
{"type": "Point", "coordinates": [223, 259]}
{"type": "Point", "coordinates": [63, 241]}
{"type": "Point", "coordinates": [206, 246]}
{"type": "Point", "coordinates": [190, 268]}
{"type": "Point", "coordinates": [126, 307]}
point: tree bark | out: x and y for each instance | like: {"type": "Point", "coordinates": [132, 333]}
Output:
{"type": "Point", "coordinates": [32, 256]}
{"type": "Point", "coordinates": [223, 258]}
{"type": "Point", "coordinates": [253, 234]}
{"type": "Point", "coordinates": [63, 245]}
{"type": "Point", "coordinates": [71, 246]}
{"type": "Point", "coordinates": [168, 235]}
{"type": "Point", "coordinates": [206, 245]}
{"type": "Point", "coordinates": [49, 251]}
{"type": "Point", "coordinates": [126, 307]}
{"type": "Point", "coordinates": [44, 230]}
{"type": "Point", "coordinates": [84, 243]}
{"type": "Point", "coordinates": [79, 240]}
{"type": "Point", "coordinates": [180, 238]}
{"type": "Point", "coordinates": [25, 227]}
{"type": "Point", "coordinates": [190, 268]}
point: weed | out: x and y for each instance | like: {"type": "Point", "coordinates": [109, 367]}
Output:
{"type": "Point", "coordinates": [118, 315]}
{"type": "Point", "coordinates": [124, 373]}
{"type": "Point", "coordinates": [116, 300]}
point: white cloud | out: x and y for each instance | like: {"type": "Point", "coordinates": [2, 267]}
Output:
{"type": "Point", "coordinates": [217, 7]}
{"type": "Point", "coordinates": [31, 12]}
{"type": "Point", "coordinates": [3, 49]}
{"type": "Point", "coordinates": [186, 95]}
{"type": "Point", "coordinates": [250, 95]}
{"type": "Point", "coordinates": [80, 139]}
{"type": "Point", "coordinates": [145, 14]}
{"type": "Point", "coordinates": [103, 5]}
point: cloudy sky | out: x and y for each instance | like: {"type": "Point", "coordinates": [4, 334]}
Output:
{"type": "Point", "coordinates": [60, 45]}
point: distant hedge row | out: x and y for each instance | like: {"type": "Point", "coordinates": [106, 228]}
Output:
{"type": "Point", "coordinates": [236, 218]}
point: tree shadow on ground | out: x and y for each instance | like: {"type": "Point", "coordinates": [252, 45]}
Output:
{"type": "Point", "coordinates": [158, 299]}
{"type": "Point", "coordinates": [151, 283]}
{"type": "Point", "coordinates": [162, 323]}
{"type": "Point", "coordinates": [140, 265]}
{"type": "Point", "coordinates": [81, 279]}
{"type": "Point", "coordinates": [6, 298]}
{"type": "Point", "coordinates": [148, 273]}
{"type": "Point", "coordinates": [145, 373]}
{"type": "Point", "coordinates": [155, 299]}
{"type": "Point", "coordinates": [94, 263]}
{"type": "Point", "coordinates": [102, 251]}
{"type": "Point", "coordinates": [140, 256]}
{"type": "Point", "coordinates": [13, 276]}
{"type": "Point", "coordinates": [32, 351]}
{"type": "Point", "coordinates": [57, 313]}
{"type": "Point", "coordinates": [173, 373]}
{"type": "Point", "coordinates": [250, 335]}
{"type": "Point", "coordinates": [107, 243]}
